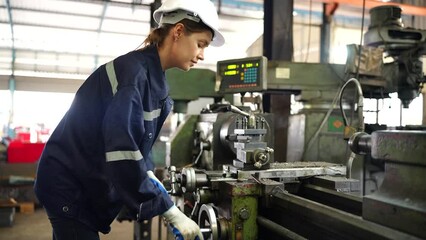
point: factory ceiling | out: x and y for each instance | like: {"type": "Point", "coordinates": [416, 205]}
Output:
{"type": "Point", "coordinates": [68, 39]}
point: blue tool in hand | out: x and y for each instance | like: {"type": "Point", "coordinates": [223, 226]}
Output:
{"type": "Point", "coordinates": [178, 235]}
{"type": "Point", "coordinates": [179, 221]}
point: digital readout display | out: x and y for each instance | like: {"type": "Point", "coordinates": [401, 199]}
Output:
{"type": "Point", "coordinates": [240, 75]}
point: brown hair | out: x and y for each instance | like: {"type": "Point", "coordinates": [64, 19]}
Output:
{"type": "Point", "coordinates": [157, 36]}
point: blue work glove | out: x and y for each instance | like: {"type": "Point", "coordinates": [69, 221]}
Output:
{"type": "Point", "coordinates": [155, 181]}
{"type": "Point", "coordinates": [178, 235]}
{"type": "Point", "coordinates": [183, 227]}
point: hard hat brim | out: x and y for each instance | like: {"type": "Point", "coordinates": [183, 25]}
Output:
{"type": "Point", "coordinates": [218, 39]}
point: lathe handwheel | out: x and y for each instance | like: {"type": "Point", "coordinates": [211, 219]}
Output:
{"type": "Point", "coordinates": [207, 219]}
{"type": "Point", "coordinates": [188, 180]}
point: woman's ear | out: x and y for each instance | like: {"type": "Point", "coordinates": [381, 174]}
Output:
{"type": "Point", "coordinates": [178, 31]}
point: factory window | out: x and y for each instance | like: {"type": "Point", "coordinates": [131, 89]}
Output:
{"type": "Point", "coordinates": [391, 114]}
{"type": "Point", "coordinates": [5, 105]}
{"type": "Point", "coordinates": [33, 112]}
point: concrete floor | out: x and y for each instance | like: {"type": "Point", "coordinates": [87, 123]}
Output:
{"type": "Point", "coordinates": [36, 226]}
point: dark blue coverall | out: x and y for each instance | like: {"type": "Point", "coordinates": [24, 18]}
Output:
{"type": "Point", "coordinates": [96, 160]}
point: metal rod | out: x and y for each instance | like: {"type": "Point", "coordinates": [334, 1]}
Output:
{"type": "Point", "coordinates": [278, 229]}
{"type": "Point", "coordinates": [400, 114]}
{"type": "Point", "coordinates": [205, 230]}
{"type": "Point", "coordinates": [334, 220]}
{"type": "Point", "coordinates": [377, 111]}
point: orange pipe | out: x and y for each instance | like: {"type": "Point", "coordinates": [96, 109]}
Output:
{"type": "Point", "coordinates": [406, 8]}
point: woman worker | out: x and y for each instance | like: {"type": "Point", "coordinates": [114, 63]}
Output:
{"type": "Point", "coordinates": [97, 160]}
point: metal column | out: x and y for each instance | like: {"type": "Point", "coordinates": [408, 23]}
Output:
{"type": "Point", "coordinates": [328, 10]}
{"type": "Point", "coordinates": [278, 45]}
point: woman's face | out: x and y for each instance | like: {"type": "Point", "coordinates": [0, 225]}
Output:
{"type": "Point", "coordinates": [189, 48]}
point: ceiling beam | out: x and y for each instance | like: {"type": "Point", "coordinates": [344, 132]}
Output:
{"type": "Point", "coordinates": [115, 3]}
{"type": "Point", "coordinates": [74, 14]}
{"type": "Point", "coordinates": [9, 11]}
{"type": "Point", "coordinates": [43, 84]}
{"type": "Point", "coordinates": [76, 29]}
{"type": "Point", "coordinates": [59, 51]}
{"type": "Point", "coordinates": [99, 31]}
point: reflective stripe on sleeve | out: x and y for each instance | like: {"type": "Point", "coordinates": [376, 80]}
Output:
{"type": "Point", "coordinates": [123, 155]}
{"type": "Point", "coordinates": [111, 76]}
{"type": "Point", "coordinates": [149, 116]}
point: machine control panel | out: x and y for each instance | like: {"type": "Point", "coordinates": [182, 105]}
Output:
{"type": "Point", "coordinates": [242, 75]}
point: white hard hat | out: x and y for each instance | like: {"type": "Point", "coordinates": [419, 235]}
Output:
{"type": "Point", "coordinates": [193, 10]}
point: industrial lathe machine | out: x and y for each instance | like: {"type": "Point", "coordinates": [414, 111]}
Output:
{"type": "Point", "coordinates": [222, 172]}
{"type": "Point", "coordinates": [235, 189]}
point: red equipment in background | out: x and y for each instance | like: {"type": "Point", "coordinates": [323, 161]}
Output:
{"type": "Point", "coordinates": [22, 150]}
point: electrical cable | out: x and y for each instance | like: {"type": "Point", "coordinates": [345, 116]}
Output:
{"type": "Point", "coordinates": [309, 31]}
{"type": "Point", "coordinates": [327, 115]}
{"type": "Point", "coordinates": [360, 41]}
{"type": "Point", "coordinates": [339, 93]}
{"type": "Point", "coordinates": [352, 157]}
{"type": "Point", "coordinates": [360, 103]}
{"type": "Point", "coordinates": [360, 119]}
